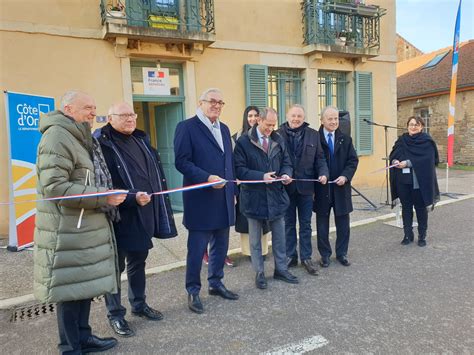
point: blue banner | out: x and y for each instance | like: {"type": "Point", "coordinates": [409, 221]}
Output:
{"type": "Point", "coordinates": [23, 114]}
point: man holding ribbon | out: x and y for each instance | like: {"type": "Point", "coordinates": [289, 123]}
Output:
{"type": "Point", "coordinates": [203, 154]}
{"type": "Point", "coordinates": [74, 255]}
{"type": "Point", "coordinates": [336, 195]}
{"type": "Point", "coordinates": [135, 166]}
{"type": "Point", "coordinates": [307, 157]}
{"type": "Point", "coordinates": [261, 155]}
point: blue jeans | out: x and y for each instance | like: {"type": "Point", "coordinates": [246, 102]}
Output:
{"type": "Point", "coordinates": [304, 205]}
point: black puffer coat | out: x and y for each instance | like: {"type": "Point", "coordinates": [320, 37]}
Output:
{"type": "Point", "coordinates": [262, 201]}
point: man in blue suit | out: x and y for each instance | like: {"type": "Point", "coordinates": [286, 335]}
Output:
{"type": "Point", "coordinates": [203, 153]}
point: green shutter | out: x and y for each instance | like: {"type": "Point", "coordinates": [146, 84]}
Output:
{"type": "Point", "coordinates": [256, 85]}
{"type": "Point", "coordinates": [363, 110]}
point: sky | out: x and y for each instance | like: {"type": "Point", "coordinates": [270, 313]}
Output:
{"type": "Point", "coordinates": [429, 24]}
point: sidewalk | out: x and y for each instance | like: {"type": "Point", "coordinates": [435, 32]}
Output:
{"type": "Point", "coordinates": [16, 269]}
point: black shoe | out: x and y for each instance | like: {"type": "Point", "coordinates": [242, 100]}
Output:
{"type": "Point", "coordinates": [285, 276]}
{"type": "Point", "coordinates": [95, 344]}
{"type": "Point", "coordinates": [223, 292]}
{"type": "Point", "coordinates": [421, 242]}
{"type": "Point", "coordinates": [194, 304]}
{"type": "Point", "coordinates": [343, 260]}
{"type": "Point", "coordinates": [310, 267]}
{"type": "Point", "coordinates": [325, 261]}
{"type": "Point", "coordinates": [405, 241]}
{"type": "Point", "coordinates": [149, 313]}
{"type": "Point", "coordinates": [261, 281]}
{"type": "Point", "coordinates": [291, 262]}
{"type": "Point", "coordinates": [121, 327]}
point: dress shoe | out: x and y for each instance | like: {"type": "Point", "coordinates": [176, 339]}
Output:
{"type": "Point", "coordinates": [194, 304]}
{"type": "Point", "coordinates": [149, 313]}
{"type": "Point", "coordinates": [229, 262]}
{"type": "Point", "coordinates": [405, 241]}
{"type": "Point", "coordinates": [343, 260]}
{"type": "Point", "coordinates": [223, 292]}
{"type": "Point", "coordinates": [422, 240]}
{"type": "Point", "coordinates": [286, 276]}
{"type": "Point", "coordinates": [291, 262]}
{"type": "Point", "coordinates": [94, 344]}
{"type": "Point", "coordinates": [310, 267]}
{"type": "Point", "coordinates": [325, 261]}
{"type": "Point", "coordinates": [121, 327]}
{"type": "Point", "coordinates": [261, 281]}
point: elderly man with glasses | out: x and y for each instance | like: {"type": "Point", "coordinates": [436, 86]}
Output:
{"type": "Point", "coordinates": [203, 153]}
{"type": "Point", "coordinates": [134, 165]}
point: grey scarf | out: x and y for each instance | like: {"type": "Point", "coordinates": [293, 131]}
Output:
{"type": "Point", "coordinates": [103, 179]}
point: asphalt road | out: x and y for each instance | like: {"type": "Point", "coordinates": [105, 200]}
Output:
{"type": "Point", "coordinates": [393, 299]}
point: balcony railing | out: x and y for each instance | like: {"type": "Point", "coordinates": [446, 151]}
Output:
{"type": "Point", "coordinates": [345, 26]}
{"type": "Point", "coordinates": [180, 20]}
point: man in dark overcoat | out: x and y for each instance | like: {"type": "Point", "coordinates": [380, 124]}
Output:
{"type": "Point", "coordinates": [134, 165]}
{"type": "Point", "coordinates": [203, 153]}
{"type": "Point", "coordinates": [307, 157]}
{"type": "Point", "coordinates": [261, 154]}
{"type": "Point", "coordinates": [336, 195]}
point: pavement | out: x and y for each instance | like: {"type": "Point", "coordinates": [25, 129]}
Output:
{"type": "Point", "coordinates": [393, 299]}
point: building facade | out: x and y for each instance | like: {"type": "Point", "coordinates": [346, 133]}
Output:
{"type": "Point", "coordinates": [423, 90]}
{"type": "Point", "coordinates": [263, 52]}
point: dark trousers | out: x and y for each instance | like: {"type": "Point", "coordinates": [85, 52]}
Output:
{"type": "Point", "coordinates": [410, 198]}
{"type": "Point", "coordinates": [198, 240]}
{"type": "Point", "coordinates": [73, 325]}
{"type": "Point", "coordinates": [303, 204]}
{"type": "Point", "coordinates": [136, 284]}
{"type": "Point", "coordinates": [342, 234]}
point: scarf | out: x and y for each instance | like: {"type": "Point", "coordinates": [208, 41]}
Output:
{"type": "Point", "coordinates": [103, 179]}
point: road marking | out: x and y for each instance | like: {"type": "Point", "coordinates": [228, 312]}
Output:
{"type": "Point", "coordinates": [300, 347]}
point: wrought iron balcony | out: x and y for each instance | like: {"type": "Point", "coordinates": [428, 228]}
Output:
{"type": "Point", "coordinates": [347, 28]}
{"type": "Point", "coordinates": [167, 21]}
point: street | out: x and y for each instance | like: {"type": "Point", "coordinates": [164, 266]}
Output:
{"type": "Point", "coordinates": [392, 299]}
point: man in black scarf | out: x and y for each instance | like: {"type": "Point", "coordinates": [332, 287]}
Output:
{"type": "Point", "coordinates": [307, 158]}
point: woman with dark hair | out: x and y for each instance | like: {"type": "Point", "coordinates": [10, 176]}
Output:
{"type": "Point", "coordinates": [413, 180]}
{"type": "Point", "coordinates": [250, 116]}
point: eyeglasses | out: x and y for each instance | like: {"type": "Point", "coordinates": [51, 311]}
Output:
{"type": "Point", "coordinates": [215, 103]}
{"type": "Point", "coordinates": [124, 116]}
{"type": "Point", "coordinates": [414, 125]}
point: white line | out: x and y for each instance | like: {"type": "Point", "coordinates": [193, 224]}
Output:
{"type": "Point", "coordinates": [300, 347]}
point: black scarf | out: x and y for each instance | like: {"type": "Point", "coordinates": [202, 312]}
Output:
{"type": "Point", "coordinates": [295, 139]}
{"type": "Point", "coordinates": [421, 150]}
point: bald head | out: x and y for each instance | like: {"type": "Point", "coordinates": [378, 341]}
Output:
{"type": "Point", "coordinates": [122, 118]}
{"type": "Point", "coordinates": [79, 106]}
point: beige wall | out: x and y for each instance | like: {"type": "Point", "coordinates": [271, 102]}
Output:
{"type": "Point", "coordinates": [53, 65]}
{"type": "Point", "coordinates": [69, 53]}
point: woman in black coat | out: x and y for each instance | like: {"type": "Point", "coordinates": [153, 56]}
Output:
{"type": "Point", "coordinates": [414, 180]}
{"type": "Point", "coordinates": [250, 116]}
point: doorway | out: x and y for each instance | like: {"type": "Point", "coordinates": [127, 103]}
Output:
{"type": "Point", "coordinates": [159, 120]}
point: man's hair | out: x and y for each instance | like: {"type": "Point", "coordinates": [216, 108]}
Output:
{"type": "Point", "coordinates": [207, 92]}
{"type": "Point", "coordinates": [69, 97]}
{"type": "Point", "coordinates": [114, 106]}
{"type": "Point", "coordinates": [297, 106]}
{"type": "Point", "coordinates": [266, 111]}
{"type": "Point", "coordinates": [328, 108]}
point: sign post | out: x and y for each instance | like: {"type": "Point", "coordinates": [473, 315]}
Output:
{"type": "Point", "coordinates": [23, 113]}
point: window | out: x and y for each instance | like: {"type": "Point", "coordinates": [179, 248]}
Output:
{"type": "Point", "coordinates": [424, 113]}
{"type": "Point", "coordinates": [284, 90]}
{"type": "Point", "coordinates": [433, 62]}
{"type": "Point", "coordinates": [332, 89]}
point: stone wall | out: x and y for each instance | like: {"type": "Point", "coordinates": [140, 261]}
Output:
{"type": "Point", "coordinates": [438, 109]}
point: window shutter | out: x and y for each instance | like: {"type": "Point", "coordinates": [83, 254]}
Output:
{"type": "Point", "coordinates": [256, 85]}
{"type": "Point", "coordinates": [363, 109]}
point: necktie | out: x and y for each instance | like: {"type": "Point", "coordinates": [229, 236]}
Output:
{"type": "Point", "coordinates": [265, 144]}
{"type": "Point", "coordinates": [330, 144]}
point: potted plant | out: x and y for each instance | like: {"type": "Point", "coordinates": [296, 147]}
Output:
{"type": "Point", "coordinates": [340, 39]}
{"type": "Point", "coordinates": [117, 10]}
{"type": "Point", "coordinates": [351, 38]}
